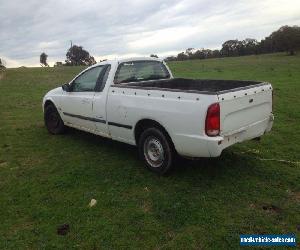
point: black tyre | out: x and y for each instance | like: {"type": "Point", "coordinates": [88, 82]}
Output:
{"type": "Point", "coordinates": [156, 150]}
{"type": "Point", "coordinates": [53, 121]}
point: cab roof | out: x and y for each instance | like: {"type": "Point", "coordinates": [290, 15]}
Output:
{"type": "Point", "coordinates": [130, 59]}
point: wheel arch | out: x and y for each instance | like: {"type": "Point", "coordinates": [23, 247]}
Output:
{"type": "Point", "coordinates": [48, 102]}
{"type": "Point", "coordinates": [143, 124]}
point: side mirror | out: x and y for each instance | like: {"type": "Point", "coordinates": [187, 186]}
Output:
{"type": "Point", "coordinates": [66, 87]}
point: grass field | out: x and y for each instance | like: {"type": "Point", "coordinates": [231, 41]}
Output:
{"type": "Point", "coordinates": [47, 181]}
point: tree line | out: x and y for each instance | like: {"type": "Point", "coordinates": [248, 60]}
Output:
{"type": "Point", "coordinates": [285, 39]}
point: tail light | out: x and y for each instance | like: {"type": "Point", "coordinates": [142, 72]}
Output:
{"type": "Point", "coordinates": [212, 122]}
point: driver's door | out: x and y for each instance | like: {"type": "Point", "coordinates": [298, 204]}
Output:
{"type": "Point", "coordinates": [77, 104]}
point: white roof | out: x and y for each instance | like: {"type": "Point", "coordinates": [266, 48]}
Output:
{"type": "Point", "coordinates": [130, 59]}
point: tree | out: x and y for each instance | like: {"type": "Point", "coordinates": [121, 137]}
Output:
{"type": "Point", "coordinates": [216, 53]}
{"type": "Point", "coordinates": [287, 38]}
{"type": "Point", "coordinates": [43, 59]}
{"type": "Point", "coordinates": [232, 48]}
{"type": "Point", "coordinates": [76, 55]}
{"type": "Point", "coordinates": [199, 54]}
{"type": "Point", "coordinates": [58, 64]}
{"type": "Point", "coordinates": [171, 58]}
{"type": "Point", "coordinates": [182, 56]}
{"type": "Point", "coordinates": [153, 55]}
{"type": "Point", "coordinates": [189, 52]}
{"type": "Point", "coordinates": [249, 46]}
{"type": "Point", "coordinates": [2, 64]}
{"type": "Point", "coordinates": [266, 45]}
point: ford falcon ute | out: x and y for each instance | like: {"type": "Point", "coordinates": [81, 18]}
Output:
{"type": "Point", "coordinates": [139, 102]}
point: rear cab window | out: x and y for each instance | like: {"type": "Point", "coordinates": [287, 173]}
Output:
{"type": "Point", "coordinates": [137, 71]}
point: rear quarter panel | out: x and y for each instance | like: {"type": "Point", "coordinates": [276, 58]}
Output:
{"type": "Point", "coordinates": [181, 114]}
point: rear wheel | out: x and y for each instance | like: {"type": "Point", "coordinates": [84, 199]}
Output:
{"type": "Point", "coordinates": [53, 121]}
{"type": "Point", "coordinates": [156, 149]}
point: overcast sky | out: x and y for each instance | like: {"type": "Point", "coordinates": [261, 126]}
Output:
{"type": "Point", "coordinates": [121, 28]}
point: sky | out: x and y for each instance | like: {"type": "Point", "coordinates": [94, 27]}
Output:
{"type": "Point", "coordinates": [124, 28]}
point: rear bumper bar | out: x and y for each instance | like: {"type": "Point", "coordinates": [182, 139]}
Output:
{"type": "Point", "coordinates": [204, 146]}
{"type": "Point", "coordinates": [250, 132]}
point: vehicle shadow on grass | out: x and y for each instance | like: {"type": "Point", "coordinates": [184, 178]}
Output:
{"type": "Point", "coordinates": [99, 141]}
{"type": "Point", "coordinates": [229, 163]}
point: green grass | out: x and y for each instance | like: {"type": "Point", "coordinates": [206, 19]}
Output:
{"type": "Point", "coordinates": [47, 181]}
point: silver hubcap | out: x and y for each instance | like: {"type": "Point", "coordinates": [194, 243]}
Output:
{"type": "Point", "coordinates": [154, 152]}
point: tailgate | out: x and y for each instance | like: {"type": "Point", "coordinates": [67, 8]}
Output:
{"type": "Point", "coordinates": [244, 108]}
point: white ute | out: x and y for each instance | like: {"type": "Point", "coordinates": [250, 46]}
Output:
{"type": "Point", "coordinates": [137, 101]}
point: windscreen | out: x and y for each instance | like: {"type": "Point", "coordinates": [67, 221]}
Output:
{"type": "Point", "coordinates": [137, 71]}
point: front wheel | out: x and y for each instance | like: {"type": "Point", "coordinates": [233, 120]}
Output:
{"type": "Point", "coordinates": [156, 149]}
{"type": "Point", "coordinates": [53, 122]}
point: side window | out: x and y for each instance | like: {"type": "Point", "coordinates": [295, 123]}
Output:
{"type": "Point", "coordinates": [87, 81]}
